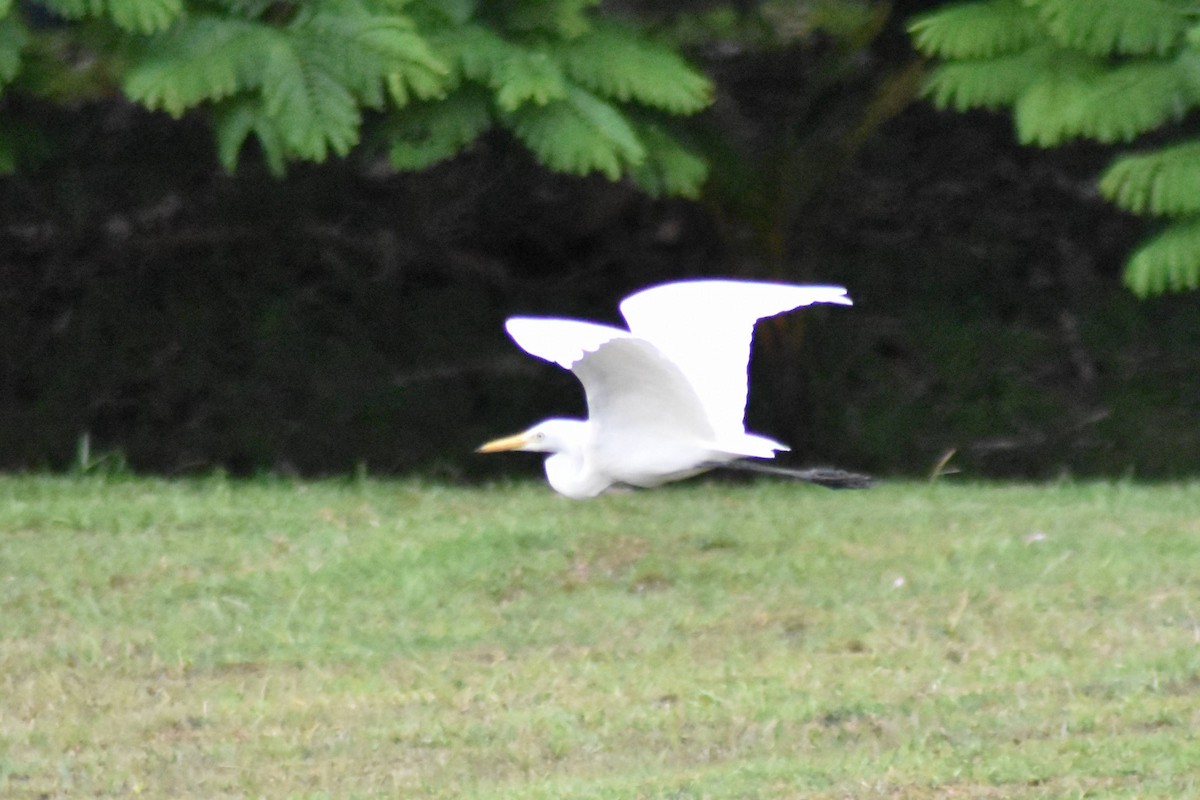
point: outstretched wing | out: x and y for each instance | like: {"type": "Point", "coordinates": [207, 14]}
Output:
{"type": "Point", "coordinates": [635, 394]}
{"type": "Point", "coordinates": [632, 389]}
{"type": "Point", "coordinates": [560, 341]}
{"type": "Point", "coordinates": [705, 328]}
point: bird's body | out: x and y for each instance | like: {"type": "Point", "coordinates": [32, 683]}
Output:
{"type": "Point", "coordinates": [666, 398]}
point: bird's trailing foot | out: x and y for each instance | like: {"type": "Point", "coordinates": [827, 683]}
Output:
{"type": "Point", "coordinates": [828, 477]}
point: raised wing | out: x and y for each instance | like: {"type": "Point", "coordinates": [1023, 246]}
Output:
{"type": "Point", "coordinates": [631, 387]}
{"type": "Point", "coordinates": [705, 328]}
{"type": "Point", "coordinates": [648, 422]}
{"type": "Point", "coordinates": [560, 341]}
{"type": "Point", "coordinates": [635, 394]}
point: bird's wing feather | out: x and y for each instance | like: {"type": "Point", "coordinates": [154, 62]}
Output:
{"type": "Point", "coordinates": [635, 390]}
{"type": "Point", "coordinates": [705, 327]}
{"type": "Point", "coordinates": [630, 384]}
{"type": "Point", "coordinates": [560, 341]}
{"type": "Point", "coordinates": [646, 420]}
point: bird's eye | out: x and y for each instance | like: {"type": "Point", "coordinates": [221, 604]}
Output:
{"type": "Point", "coordinates": [539, 436]}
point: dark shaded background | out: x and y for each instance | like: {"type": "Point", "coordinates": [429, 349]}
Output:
{"type": "Point", "coordinates": [184, 320]}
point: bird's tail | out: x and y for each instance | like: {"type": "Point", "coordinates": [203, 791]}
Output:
{"type": "Point", "coordinates": [822, 476]}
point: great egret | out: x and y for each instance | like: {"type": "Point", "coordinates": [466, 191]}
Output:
{"type": "Point", "coordinates": [666, 398]}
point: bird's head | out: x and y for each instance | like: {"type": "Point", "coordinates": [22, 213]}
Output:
{"type": "Point", "coordinates": [548, 436]}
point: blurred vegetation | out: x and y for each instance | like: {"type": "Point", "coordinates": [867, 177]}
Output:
{"type": "Point", "coordinates": [1115, 71]}
{"type": "Point", "coordinates": [178, 317]}
{"type": "Point", "coordinates": [584, 93]}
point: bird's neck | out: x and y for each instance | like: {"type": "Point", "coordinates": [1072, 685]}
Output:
{"type": "Point", "coordinates": [570, 470]}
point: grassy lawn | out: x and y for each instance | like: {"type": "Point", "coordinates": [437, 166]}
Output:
{"type": "Point", "coordinates": [214, 638]}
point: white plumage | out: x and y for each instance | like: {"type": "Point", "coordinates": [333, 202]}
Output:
{"type": "Point", "coordinates": [667, 398]}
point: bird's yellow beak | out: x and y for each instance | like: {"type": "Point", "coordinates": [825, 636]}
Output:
{"type": "Point", "coordinates": [515, 442]}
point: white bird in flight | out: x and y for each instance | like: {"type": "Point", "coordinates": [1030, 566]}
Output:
{"type": "Point", "coordinates": [666, 399]}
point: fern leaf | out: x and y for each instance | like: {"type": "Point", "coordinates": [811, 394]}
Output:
{"type": "Point", "coordinates": [368, 51]}
{"type": "Point", "coordinates": [1047, 113]}
{"type": "Point", "coordinates": [976, 30]}
{"type": "Point", "coordinates": [529, 76]}
{"type": "Point", "coordinates": [472, 52]}
{"type": "Point", "coordinates": [1108, 105]}
{"type": "Point", "coordinates": [578, 134]}
{"type": "Point", "coordinates": [987, 83]}
{"type": "Point", "coordinates": [518, 74]}
{"type": "Point", "coordinates": [1134, 98]}
{"type": "Point", "coordinates": [314, 110]}
{"type": "Point", "coordinates": [13, 38]}
{"type": "Point", "coordinates": [235, 121]}
{"type": "Point", "coordinates": [1127, 27]}
{"type": "Point", "coordinates": [614, 61]}
{"type": "Point", "coordinates": [1169, 261]}
{"type": "Point", "coordinates": [144, 16]}
{"type": "Point", "coordinates": [670, 168]}
{"type": "Point", "coordinates": [202, 58]}
{"type": "Point", "coordinates": [135, 16]}
{"type": "Point", "coordinates": [1163, 182]}
{"type": "Point", "coordinates": [426, 133]}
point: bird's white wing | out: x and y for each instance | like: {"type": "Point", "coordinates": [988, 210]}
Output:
{"type": "Point", "coordinates": [705, 327]}
{"type": "Point", "coordinates": [647, 422]}
{"type": "Point", "coordinates": [634, 391]}
{"type": "Point", "coordinates": [560, 341]}
{"type": "Point", "coordinates": [631, 387]}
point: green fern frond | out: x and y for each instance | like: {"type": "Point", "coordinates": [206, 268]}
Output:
{"type": "Point", "coordinates": [614, 61]}
{"type": "Point", "coordinates": [1048, 112]}
{"type": "Point", "coordinates": [1170, 261]}
{"type": "Point", "coordinates": [670, 168]}
{"type": "Point", "coordinates": [367, 52]}
{"type": "Point", "coordinates": [315, 75]}
{"type": "Point", "coordinates": [1108, 105]}
{"type": "Point", "coordinates": [144, 16]}
{"type": "Point", "coordinates": [529, 76]}
{"type": "Point", "coordinates": [1106, 70]}
{"type": "Point", "coordinates": [235, 121]}
{"type": "Point", "coordinates": [135, 16]}
{"type": "Point", "coordinates": [1133, 98]}
{"type": "Point", "coordinates": [202, 58]}
{"type": "Point", "coordinates": [297, 77]}
{"type": "Point", "coordinates": [1127, 27]}
{"type": "Point", "coordinates": [1163, 182]}
{"type": "Point", "coordinates": [976, 30]}
{"type": "Point", "coordinates": [13, 38]}
{"type": "Point", "coordinates": [426, 133]}
{"type": "Point", "coordinates": [315, 112]}
{"type": "Point", "coordinates": [987, 83]}
{"type": "Point", "coordinates": [518, 74]}
{"type": "Point", "coordinates": [472, 52]}
{"type": "Point", "coordinates": [579, 134]}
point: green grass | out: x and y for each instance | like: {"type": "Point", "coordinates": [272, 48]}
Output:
{"type": "Point", "coordinates": [216, 638]}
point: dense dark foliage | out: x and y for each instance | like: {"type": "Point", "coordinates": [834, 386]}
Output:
{"type": "Point", "coordinates": [189, 320]}
{"type": "Point", "coordinates": [182, 319]}
{"type": "Point", "coordinates": [419, 81]}
{"type": "Point", "coordinates": [1113, 71]}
